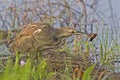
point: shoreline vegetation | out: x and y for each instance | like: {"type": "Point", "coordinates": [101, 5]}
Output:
{"type": "Point", "coordinates": [78, 58]}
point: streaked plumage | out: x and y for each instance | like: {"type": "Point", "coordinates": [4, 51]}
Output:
{"type": "Point", "coordinates": [40, 36]}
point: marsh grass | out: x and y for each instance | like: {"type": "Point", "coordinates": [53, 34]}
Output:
{"type": "Point", "coordinates": [28, 71]}
{"type": "Point", "coordinates": [40, 71]}
{"type": "Point", "coordinates": [60, 13]}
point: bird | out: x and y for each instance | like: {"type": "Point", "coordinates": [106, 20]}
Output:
{"type": "Point", "coordinates": [42, 36]}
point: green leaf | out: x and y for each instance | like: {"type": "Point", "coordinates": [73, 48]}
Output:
{"type": "Point", "coordinates": [86, 75]}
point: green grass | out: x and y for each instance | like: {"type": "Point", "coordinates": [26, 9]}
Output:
{"type": "Point", "coordinates": [14, 71]}
{"type": "Point", "coordinates": [31, 71]}
{"type": "Point", "coordinates": [87, 73]}
{"type": "Point", "coordinates": [109, 49]}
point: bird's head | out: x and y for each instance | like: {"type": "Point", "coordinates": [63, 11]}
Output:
{"type": "Point", "coordinates": [65, 32]}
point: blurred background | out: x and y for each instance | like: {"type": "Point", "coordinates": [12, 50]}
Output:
{"type": "Point", "coordinates": [90, 16]}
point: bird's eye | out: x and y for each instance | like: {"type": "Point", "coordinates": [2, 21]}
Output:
{"type": "Point", "coordinates": [73, 31]}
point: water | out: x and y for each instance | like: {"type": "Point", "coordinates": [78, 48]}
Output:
{"type": "Point", "coordinates": [100, 19]}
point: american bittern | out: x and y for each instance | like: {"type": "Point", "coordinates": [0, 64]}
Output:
{"type": "Point", "coordinates": [41, 36]}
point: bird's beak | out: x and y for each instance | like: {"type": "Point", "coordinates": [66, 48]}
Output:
{"type": "Point", "coordinates": [91, 35]}
{"type": "Point", "coordinates": [79, 33]}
